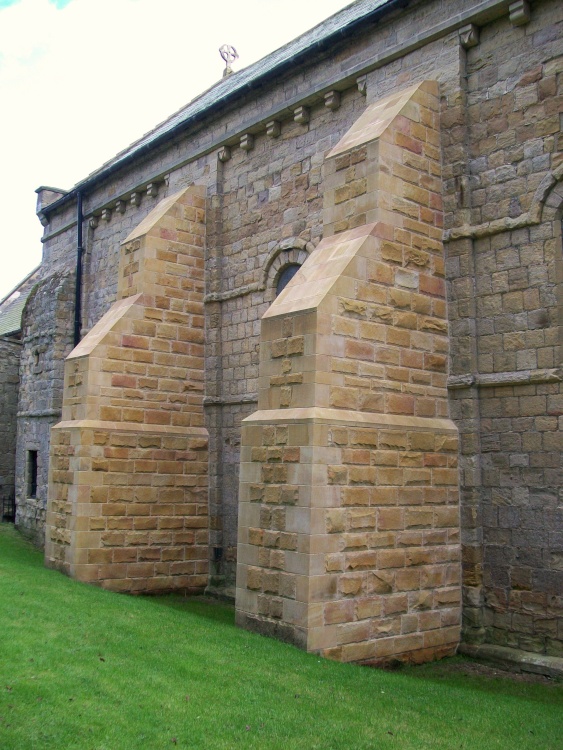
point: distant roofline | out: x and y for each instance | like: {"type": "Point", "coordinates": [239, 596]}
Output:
{"type": "Point", "coordinates": [48, 187]}
{"type": "Point", "coordinates": [20, 283]}
{"type": "Point", "coordinates": [339, 25]}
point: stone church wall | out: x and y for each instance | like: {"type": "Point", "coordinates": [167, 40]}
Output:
{"type": "Point", "coordinates": [500, 98]}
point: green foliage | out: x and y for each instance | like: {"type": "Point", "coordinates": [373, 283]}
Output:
{"type": "Point", "coordinates": [84, 669]}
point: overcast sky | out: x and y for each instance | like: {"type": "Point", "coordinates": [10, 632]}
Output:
{"type": "Point", "coordinates": [81, 79]}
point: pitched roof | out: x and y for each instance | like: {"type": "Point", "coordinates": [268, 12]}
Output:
{"type": "Point", "coordinates": [11, 307]}
{"type": "Point", "coordinates": [337, 25]}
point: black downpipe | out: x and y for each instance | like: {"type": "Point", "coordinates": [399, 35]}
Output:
{"type": "Point", "coordinates": [78, 286]}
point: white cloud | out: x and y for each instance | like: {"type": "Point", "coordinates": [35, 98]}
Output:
{"type": "Point", "coordinates": [79, 84]}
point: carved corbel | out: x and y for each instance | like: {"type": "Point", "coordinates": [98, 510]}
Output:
{"type": "Point", "coordinates": [273, 128]}
{"type": "Point", "coordinates": [332, 99]}
{"type": "Point", "coordinates": [93, 222]}
{"type": "Point", "coordinates": [135, 199]}
{"type": "Point", "coordinates": [224, 153]}
{"type": "Point", "coordinates": [301, 115]}
{"type": "Point", "coordinates": [362, 84]}
{"type": "Point", "coordinates": [519, 12]}
{"type": "Point", "coordinates": [152, 189]}
{"type": "Point", "coordinates": [120, 207]}
{"type": "Point", "coordinates": [469, 36]}
{"type": "Point", "coordinates": [106, 214]}
{"type": "Point", "coordinates": [247, 142]}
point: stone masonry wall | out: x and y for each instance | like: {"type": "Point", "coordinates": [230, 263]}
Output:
{"type": "Point", "coordinates": [259, 198]}
{"type": "Point", "coordinates": [10, 352]}
{"type": "Point", "coordinates": [268, 196]}
{"type": "Point", "coordinates": [503, 265]}
{"type": "Point", "coordinates": [46, 340]}
{"type": "Point", "coordinates": [269, 208]}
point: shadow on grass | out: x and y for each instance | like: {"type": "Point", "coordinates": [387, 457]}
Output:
{"type": "Point", "coordinates": [457, 672]}
{"type": "Point", "coordinates": [454, 672]}
{"type": "Point", "coordinates": [204, 608]}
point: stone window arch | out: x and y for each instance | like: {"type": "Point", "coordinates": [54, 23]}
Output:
{"type": "Point", "coordinates": [285, 259]}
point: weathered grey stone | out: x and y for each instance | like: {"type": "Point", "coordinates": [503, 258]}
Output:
{"type": "Point", "coordinates": [515, 659]}
{"type": "Point", "coordinates": [47, 333]}
{"type": "Point", "coordinates": [10, 352]}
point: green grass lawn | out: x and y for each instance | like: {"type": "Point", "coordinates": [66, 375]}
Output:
{"type": "Point", "coordinates": [84, 668]}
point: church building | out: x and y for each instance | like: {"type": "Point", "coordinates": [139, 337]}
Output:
{"type": "Point", "coordinates": [299, 346]}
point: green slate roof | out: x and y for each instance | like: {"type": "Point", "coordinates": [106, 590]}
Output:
{"type": "Point", "coordinates": [337, 24]}
{"type": "Point", "coordinates": [11, 307]}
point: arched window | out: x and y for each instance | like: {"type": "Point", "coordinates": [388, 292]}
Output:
{"type": "Point", "coordinates": [285, 276]}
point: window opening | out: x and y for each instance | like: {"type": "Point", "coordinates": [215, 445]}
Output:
{"type": "Point", "coordinates": [285, 277]}
{"type": "Point", "coordinates": [32, 474]}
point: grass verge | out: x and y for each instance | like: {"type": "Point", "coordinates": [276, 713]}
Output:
{"type": "Point", "coordinates": [84, 669]}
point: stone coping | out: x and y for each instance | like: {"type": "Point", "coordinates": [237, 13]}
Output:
{"type": "Point", "coordinates": [515, 659]}
{"type": "Point", "coordinates": [147, 429]}
{"type": "Point", "coordinates": [101, 329]}
{"type": "Point", "coordinates": [344, 416]}
{"type": "Point", "coordinates": [373, 122]}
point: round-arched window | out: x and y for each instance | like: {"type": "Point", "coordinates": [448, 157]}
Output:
{"type": "Point", "coordinates": [285, 276]}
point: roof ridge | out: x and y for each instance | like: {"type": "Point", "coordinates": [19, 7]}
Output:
{"type": "Point", "coordinates": [316, 35]}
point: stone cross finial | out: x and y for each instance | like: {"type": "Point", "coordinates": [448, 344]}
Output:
{"type": "Point", "coordinates": [229, 55]}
